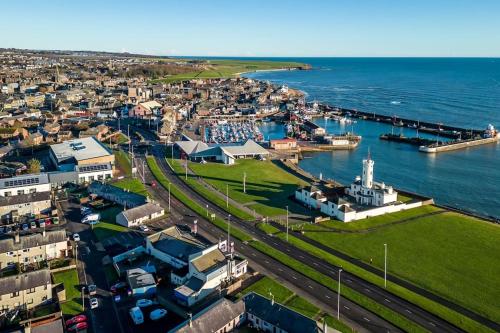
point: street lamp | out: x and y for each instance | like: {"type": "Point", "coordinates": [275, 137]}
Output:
{"type": "Point", "coordinates": [385, 265]}
{"type": "Point", "coordinates": [287, 223]}
{"type": "Point", "coordinates": [83, 299]}
{"type": "Point", "coordinates": [227, 196]}
{"type": "Point", "coordinates": [244, 182]}
{"type": "Point", "coordinates": [338, 296]}
{"type": "Point", "coordinates": [207, 210]}
{"type": "Point", "coordinates": [169, 197]}
{"type": "Point", "coordinates": [228, 229]}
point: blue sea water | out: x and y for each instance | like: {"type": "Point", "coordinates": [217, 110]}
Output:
{"type": "Point", "coordinates": [457, 91]}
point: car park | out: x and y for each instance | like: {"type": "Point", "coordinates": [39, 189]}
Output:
{"type": "Point", "coordinates": [76, 237]}
{"type": "Point", "coordinates": [143, 303]}
{"type": "Point", "coordinates": [94, 303]}
{"type": "Point", "coordinates": [78, 327]}
{"type": "Point", "coordinates": [136, 315]}
{"type": "Point", "coordinates": [157, 314]}
{"type": "Point", "coordinates": [76, 320]}
{"type": "Point", "coordinates": [41, 223]}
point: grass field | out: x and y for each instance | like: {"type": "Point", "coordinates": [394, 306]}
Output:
{"type": "Point", "coordinates": [452, 255]}
{"type": "Point", "coordinates": [123, 165]}
{"type": "Point", "coordinates": [267, 186]}
{"type": "Point", "coordinates": [230, 68]}
{"type": "Point", "coordinates": [267, 228]}
{"type": "Point", "coordinates": [133, 185]}
{"type": "Point", "coordinates": [107, 227]}
{"type": "Point", "coordinates": [73, 304]}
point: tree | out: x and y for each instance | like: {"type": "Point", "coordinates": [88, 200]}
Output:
{"type": "Point", "coordinates": [34, 166]}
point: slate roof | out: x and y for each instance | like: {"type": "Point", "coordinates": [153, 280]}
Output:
{"type": "Point", "coordinates": [209, 260]}
{"type": "Point", "coordinates": [141, 211]}
{"type": "Point", "coordinates": [24, 198]}
{"type": "Point", "coordinates": [278, 315]}
{"type": "Point", "coordinates": [212, 318]}
{"type": "Point", "coordinates": [30, 240]}
{"type": "Point", "coordinates": [201, 149]}
{"type": "Point", "coordinates": [24, 281]}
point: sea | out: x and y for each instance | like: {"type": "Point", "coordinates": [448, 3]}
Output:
{"type": "Point", "coordinates": [463, 92]}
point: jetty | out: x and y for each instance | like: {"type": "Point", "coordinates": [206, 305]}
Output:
{"type": "Point", "coordinates": [415, 141]}
{"type": "Point", "coordinates": [459, 144]}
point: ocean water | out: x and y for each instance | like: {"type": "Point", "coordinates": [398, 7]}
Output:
{"type": "Point", "coordinates": [461, 92]}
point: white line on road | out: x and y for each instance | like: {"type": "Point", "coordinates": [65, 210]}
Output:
{"type": "Point", "coordinates": [368, 290]}
{"type": "Point", "coordinates": [267, 262]}
{"type": "Point", "coordinates": [275, 243]}
{"type": "Point", "coordinates": [315, 264]}
{"type": "Point", "coordinates": [310, 287]}
{"type": "Point", "coordinates": [253, 253]}
{"type": "Point", "coordinates": [348, 280]}
{"type": "Point", "coordinates": [327, 296]}
{"type": "Point", "coordinates": [301, 257]}
{"type": "Point", "coordinates": [348, 308]}
{"type": "Point", "coordinates": [432, 323]}
{"type": "Point", "coordinates": [279, 269]}
{"type": "Point", "coordinates": [294, 277]}
{"type": "Point", "coordinates": [408, 311]}
{"type": "Point", "coordinates": [288, 250]}
{"type": "Point", "coordinates": [366, 319]}
{"type": "Point", "coordinates": [388, 301]}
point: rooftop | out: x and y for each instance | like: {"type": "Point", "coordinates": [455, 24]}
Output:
{"type": "Point", "coordinates": [79, 149]}
{"type": "Point", "coordinates": [24, 281]}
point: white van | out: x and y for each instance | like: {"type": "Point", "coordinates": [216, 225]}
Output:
{"type": "Point", "coordinates": [91, 218]}
{"type": "Point", "coordinates": [137, 316]}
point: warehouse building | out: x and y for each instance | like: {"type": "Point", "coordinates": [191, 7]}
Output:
{"type": "Point", "coordinates": [80, 152]}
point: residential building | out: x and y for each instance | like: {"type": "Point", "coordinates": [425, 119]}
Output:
{"type": "Point", "coordinates": [138, 215]}
{"type": "Point", "coordinates": [78, 152]}
{"type": "Point", "coordinates": [26, 290]}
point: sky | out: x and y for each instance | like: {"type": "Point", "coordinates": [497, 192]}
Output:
{"type": "Point", "coordinates": [308, 28]}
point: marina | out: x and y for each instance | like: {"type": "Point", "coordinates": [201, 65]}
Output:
{"type": "Point", "coordinates": [223, 131]}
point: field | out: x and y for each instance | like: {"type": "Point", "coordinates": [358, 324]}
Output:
{"type": "Point", "coordinates": [73, 304]}
{"type": "Point", "coordinates": [449, 254]}
{"type": "Point", "coordinates": [133, 185]}
{"type": "Point", "coordinates": [230, 68]}
{"type": "Point", "coordinates": [267, 186]}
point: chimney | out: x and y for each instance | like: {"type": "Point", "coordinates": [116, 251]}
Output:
{"type": "Point", "coordinates": [16, 238]}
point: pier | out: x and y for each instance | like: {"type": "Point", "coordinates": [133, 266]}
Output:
{"type": "Point", "coordinates": [415, 141]}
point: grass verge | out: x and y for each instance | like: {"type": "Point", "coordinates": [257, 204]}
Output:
{"type": "Point", "coordinates": [73, 303]}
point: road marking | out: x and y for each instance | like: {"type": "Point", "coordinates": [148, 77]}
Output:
{"type": "Point", "coordinates": [267, 262]}
{"type": "Point", "coordinates": [279, 269]}
{"type": "Point", "coordinates": [275, 243]}
{"type": "Point", "coordinates": [348, 280]}
{"type": "Point", "coordinates": [332, 272]}
{"type": "Point", "coordinates": [432, 323]}
{"type": "Point", "coordinates": [253, 253]}
{"type": "Point", "coordinates": [366, 319]}
{"type": "Point", "coordinates": [368, 290]}
{"type": "Point", "coordinates": [315, 264]}
{"type": "Point", "coordinates": [388, 301]}
{"type": "Point", "coordinates": [348, 308]}
{"type": "Point", "coordinates": [327, 296]}
{"type": "Point", "coordinates": [294, 277]}
{"type": "Point", "coordinates": [288, 250]}
{"type": "Point", "coordinates": [310, 287]}
{"type": "Point", "coordinates": [408, 311]}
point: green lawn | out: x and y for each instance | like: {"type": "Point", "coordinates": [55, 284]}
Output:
{"type": "Point", "coordinates": [122, 162]}
{"type": "Point", "coordinates": [73, 304]}
{"type": "Point", "coordinates": [133, 185]}
{"type": "Point", "coordinates": [267, 185]}
{"type": "Point", "coordinates": [267, 228]}
{"type": "Point", "coordinates": [229, 68]}
{"type": "Point", "coordinates": [107, 227]}
{"type": "Point", "coordinates": [267, 285]}
{"type": "Point", "coordinates": [370, 222]}
{"type": "Point", "coordinates": [302, 306]}
{"type": "Point", "coordinates": [452, 255]}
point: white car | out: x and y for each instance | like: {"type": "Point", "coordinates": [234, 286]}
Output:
{"type": "Point", "coordinates": [143, 303]}
{"type": "Point", "coordinates": [76, 237]}
{"type": "Point", "coordinates": [143, 227]}
{"type": "Point", "coordinates": [157, 314]}
{"type": "Point", "coordinates": [94, 303]}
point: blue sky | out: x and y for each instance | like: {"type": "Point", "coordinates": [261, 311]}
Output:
{"type": "Point", "coordinates": [257, 28]}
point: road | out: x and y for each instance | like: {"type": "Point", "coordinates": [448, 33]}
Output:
{"type": "Point", "coordinates": [380, 295]}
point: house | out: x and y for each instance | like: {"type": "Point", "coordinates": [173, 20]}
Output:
{"type": "Point", "coordinates": [149, 109]}
{"type": "Point", "coordinates": [283, 144]}
{"type": "Point", "coordinates": [12, 207]}
{"type": "Point", "coordinates": [25, 291]}
{"type": "Point", "coordinates": [26, 249]}
{"type": "Point", "coordinates": [85, 151]}
{"type": "Point", "coordinates": [227, 154]}
{"type": "Point", "coordinates": [311, 196]}
{"type": "Point", "coordinates": [24, 184]}
{"type": "Point", "coordinates": [254, 311]}
{"type": "Point", "coordinates": [140, 214]}
{"type": "Point", "coordinates": [117, 195]}
{"type": "Point", "coordinates": [141, 282]}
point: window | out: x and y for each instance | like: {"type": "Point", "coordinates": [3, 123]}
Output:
{"type": "Point", "coordinates": [31, 290]}
{"type": "Point", "coordinates": [7, 194]}
{"type": "Point", "coordinates": [32, 190]}
{"type": "Point", "coordinates": [10, 253]}
{"type": "Point", "coordinates": [44, 298]}
{"type": "Point", "coordinates": [20, 192]}
{"type": "Point", "coordinates": [14, 294]}
{"type": "Point", "coordinates": [30, 301]}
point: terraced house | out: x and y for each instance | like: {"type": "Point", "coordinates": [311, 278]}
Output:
{"type": "Point", "coordinates": [31, 248]}
{"type": "Point", "coordinates": [26, 291]}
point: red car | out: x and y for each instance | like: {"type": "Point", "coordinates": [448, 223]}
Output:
{"type": "Point", "coordinates": [76, 320]}
{"type": "Point", "coordinates": [78, 327]}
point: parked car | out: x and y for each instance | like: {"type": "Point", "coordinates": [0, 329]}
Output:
{"type": "Point", "coordinates": [119, 287]}
{"type": "Point", "coordinates": [76, 237]}
{"type": "Point", "coordinates": [41, 223]}
{"type": "Point", "coordinates": [76, 320]}
{"type": "Point", "coordinates": [33, 225]}
{"type": "Point", "coordinates": [94, 303]}
{"type": "Point", "coordinates": [48, 222]}
{"type": "Point", "coordinates": [144, 227]}
{"type": "Point", "coordinates": [91, 217]}
{"type": "Point", "coordinates": [137, 316]}
{"type": "Point", "coordinates": [8, 229]}
{"type": "Point", "coordinates": [92, 288]}
{"type": "Point", "coordinates": [78, 327]}
{"type": "Point", "coordinates": [26, 226]}
{"type": "Point", "coordinates": [143, 303]}
{"type": "Point", "coordinates": [55, 220]}
{"type": "Point", "coordinates": [157, 314]}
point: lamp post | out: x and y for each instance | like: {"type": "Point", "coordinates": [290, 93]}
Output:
{"type": "Point", "coordinates": [83, 299]}
{"type": "Point", "coordinates": [169, 197]}
{"type": "Point", "coordinates": [228, 230]}
{"type": "Point", "coordinates": [287, 223]}
{"type": "Point", "coordinates": [227, 196]}
{"type": "Point", "coordinates": [207, 210]}
{"type": "Point", "coordinates": [385, 265]}
{"type": "Point", "coordinates": [244, 182]}
{"type": "Point", "coordinates": [338, 296]}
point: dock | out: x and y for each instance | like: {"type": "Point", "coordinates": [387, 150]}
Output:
{"type": "Point", "coordinates": [455, 145]}
{"type": "Point", "coordinates": [415, 141]}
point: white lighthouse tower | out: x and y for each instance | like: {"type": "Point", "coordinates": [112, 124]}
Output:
{"type": "Point", "coordinates": [367, 178]}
